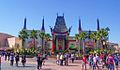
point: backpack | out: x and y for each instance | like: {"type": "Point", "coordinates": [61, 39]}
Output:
{"type": "Point", "coordinates": [116, 60]}
{"type": "Point", "coordinates": [91, 58]}
{"type": "Point", "coordinates": [110, 61]}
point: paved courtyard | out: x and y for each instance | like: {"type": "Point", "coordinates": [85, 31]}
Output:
{"type": "Point", "coordinates": [49, 65]}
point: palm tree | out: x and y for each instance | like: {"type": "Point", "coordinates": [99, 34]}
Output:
{"type": "Point", "coordinates": [96, 36]}
{"type": "Point", "coordinates": [82, 37]}
{"type": "Point", "coordinates": [78, 39]}
{"type": "Point", "coordinates": [42, 36]}
{"type": "Point", "coordinates": [33, 35]}
{"type": "Point", "coordinates": [99, 35]}
{"type": "Point", "coordinates": [93, 36]}
{"type": "Point", "coordinates": [103, 33]}
{"type": "Point", "coordinates": [23, 35]}
{"type": "Point", "coordinates": [47, 37]}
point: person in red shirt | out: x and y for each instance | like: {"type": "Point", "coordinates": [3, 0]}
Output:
{"type": "Point", "coordinates": [84, 60]}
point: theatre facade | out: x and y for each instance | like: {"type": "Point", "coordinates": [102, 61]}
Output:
{"type": "Point", "coordinates": [60, 36]}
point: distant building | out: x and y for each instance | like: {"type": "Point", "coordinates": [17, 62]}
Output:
{"type": "Point", "coordinates": [3, 41]}
{"type": "Point", "coordinates": [14, 42]}
{"type": "Point", "coordinates": [29, 42]}
{"type": "Point", "coordinates": [114, 46]}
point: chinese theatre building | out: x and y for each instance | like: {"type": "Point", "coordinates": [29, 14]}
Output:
{"type": "Point", "coordinates": [60, 34]}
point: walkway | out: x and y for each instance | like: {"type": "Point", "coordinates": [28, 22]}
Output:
{"type": "Point", "coordinates": [49, 65]}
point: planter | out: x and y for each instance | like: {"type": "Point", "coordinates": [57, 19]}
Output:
{"type": "Point", "coordinates": [29, 56]}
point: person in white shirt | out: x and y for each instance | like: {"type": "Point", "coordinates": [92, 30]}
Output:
{"type": "Point", "coordinates": [58, 59]}
{"type": "Point", "coordinates": [61, 59]}
{"type": "Point", "coordinates": [95, 61]}
{"type": "Point", "coordinates": [72, 57]}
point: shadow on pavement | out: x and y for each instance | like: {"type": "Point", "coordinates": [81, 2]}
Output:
{"type": "Point", "coordinates": [26, 66]}
{"type": "Point", "coordinates": [73, 65]}
{"type": "Point", "coordinates": [47, 69]}
{"type": "Point", "coordinates": [49, 65]}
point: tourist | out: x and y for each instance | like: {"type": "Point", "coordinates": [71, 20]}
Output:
{"type": "Point", "coordinates": [39, 61]}
{"type": "Point", "coordinates": [110, 61]}
{"type": "Point", "coordinates": [11, 58]}
{"type": "Point", "coordinates": [116, 60]}
{"type": "Point", "coordinates": [6, 54]}
{"type": "Point", "coordinates": [66, 56]}
{"type": "Point", "coordinates": [95, 61]}
{"type": "Point", "coordinates": [72, 57]}
{"type": "Point", "coordinates": [44, 58]}
{"type": "Point", "coordinates": [61, 59]}
{"type": "Point", "coordinates": [17, 58]}
{"type": "Point", "coordinates": [101, 57]}
{"type": "Point", "coordinates": [104, 60]}
{"type": "Point", "coordinates": [58, 59]}
{"type": "Point", "coordinates": [90, 59]}
{"type": "Point", "coordinates": [84, 62]}
{"type": "Point", "coordinates": [23, 59]}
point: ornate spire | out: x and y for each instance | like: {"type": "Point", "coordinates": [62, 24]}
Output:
{"type": "Point", "coordinates": [69, 29]}
{"type": "Point", "coordinates": [98, 25]}
{"type": "Point", "coordinates": [25, 20]}
{"type": "Point", "coordinates": [57, 14]}
{"type": "Point", "coordinates": [79, 28]}
{"type": "Point", "coordinates": [63, 14]}
{"type": "Point", "coordinates": [43, 28]}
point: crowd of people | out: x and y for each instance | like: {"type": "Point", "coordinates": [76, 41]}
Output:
{"type": "Point", "coordinates": [14, 57]}
{"type": "Point", "coordinates": [62, 59]}
{"type": "Point", "coordinates": [108, 60]}
{"type": "Point", "coordinates": [94, 60]}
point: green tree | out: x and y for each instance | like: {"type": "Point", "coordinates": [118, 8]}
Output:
{"type": "Point", "coordinates": [103, 33]}
{"type": "Point", "coordinates": [42, 36]}
{"type": "Point", "coordinates": [81, 37]}
{"type": "Point", "coordinates": [47, 38]}
{"type": "Point", "coordinates": [100, 35]}
{"type": "Point", "coordinates": [96, 36]}
{"type": "Point", "coordinates": [33, 35]}
{"type": "Point", "coordinates": [78, 39]}
{"type": "Point", "coordinates": [23, 35]}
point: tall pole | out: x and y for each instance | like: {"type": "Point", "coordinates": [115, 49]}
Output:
{"type": "Point", "coordinates": [79, 46]}
{"type": "Point", "coordinates": [108, 41]}
{"type": "Point", "coordinates": [42, 45]}
{"type": "Point", "coordinates": [83, 46]}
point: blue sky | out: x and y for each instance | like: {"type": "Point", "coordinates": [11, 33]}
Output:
{"type": "Point", "coordinates": [12, 13]}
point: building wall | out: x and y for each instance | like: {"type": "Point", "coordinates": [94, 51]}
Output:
{"type": "Point", "coordinates": [72, 41]}
{"type": "Point", "coordinates": [14, 42]}
{"type": "Point", "coordinates": [11, 42]}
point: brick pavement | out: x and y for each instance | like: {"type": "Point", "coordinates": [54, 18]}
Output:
{"type": "Point", "coordinates": [49, 65]}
